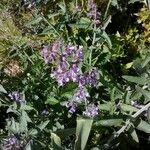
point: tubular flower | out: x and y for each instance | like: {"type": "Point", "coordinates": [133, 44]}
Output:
{"type": "Point", "coordinates": [91, 111]}
{"type": "Point", "coordinates": [80, 94]}
{"type": "Point", "coordinates": [16, 96]}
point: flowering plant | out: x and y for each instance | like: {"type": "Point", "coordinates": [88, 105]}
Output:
{"type": "Point", "coordinates": [70, 79]}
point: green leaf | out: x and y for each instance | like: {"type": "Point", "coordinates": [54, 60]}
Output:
{"type": "Point", "coordinates": [145, 93]}
{"type": "Point", "coordinates": [114, 3]}
{"type": "Point", "coordinates": [43, 125]}
{"type": "Point", "coordinates": [35, 21]}
{"type": "Point", "coordinates": [56, 141]}
{"type": "Point", "coordinates": [106, 22]}
{"type": "Point", "coordinates": [83, 23]}
{"type": "Point", "coordinates": [82, 132]}
{"type": "Point", "coordinates": [144, 126]}
{"type": "Point", "coordinates": [137, 80]}
{"type": "Point", "coordinates": [135, 96]}
{"type": "Point", "coordinates": [51, 101]}
{"type": "Point", "coordinates": [2, 89]}
{"type": "Point", "coordinates": [105, 107]}
{"type": "Point", "coordinates": [24, 119]}
{"type": "Point", "coordinates": [127, 96]}
{"type": "Point", "coordinates": [128, 108]}
{"type": "Point", "coordinates": [148, 115]}
{"type": "Point", "coordinates": [28, 146]}
{"type": "Point", "coordinates": [109, 122]}
{"type": "Point", "coordinates": [146, 61]}
{"type": "Point", "coordinates": [112, 95]}
{"type": "Point", "coordinates": [26, 107]}
{"type": "Point", "coordinates": [65, 132]}
{"type": "Point", "coordinates": [63, 8]}
{"type": "Point", "coordinates": [106, 37]}
{"type": "Point", "coordinates": [133, 1]}
{"type": "Point", "coordinates": [134, 136]}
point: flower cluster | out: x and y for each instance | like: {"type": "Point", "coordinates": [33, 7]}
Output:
{"type": "Point", "coordinates": [91, 110]}
{"type": "Point", "coordinates": [66, 65]}
{"type": "Point", "coordinates": [49, 53]}
{"type": "Point", "coordinates": [81, 94]}
{"type": "Point", "coordinates": [93, 12]}
{"type": "Point", "coordinates": [16, 96]}
{"type": "Point", "coordinates": [10, 142]}
{"type": "Point", "coordinates": [66, 61]}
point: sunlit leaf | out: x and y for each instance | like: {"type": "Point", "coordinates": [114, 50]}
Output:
{"type": "Point", "coordinates": [82, 132]}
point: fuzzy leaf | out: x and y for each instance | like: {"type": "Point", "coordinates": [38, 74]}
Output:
{"type": "Point", "coordinates": [2, 90]}
{"type": "Point", "coordinates": [56, 141]}
{"type": "Point", "coordinates": [144, 126]}
{"type": "Point", "coordinates": [109, 122]}
{"type": "Point", "coordinates": [137, 80]}
{"type": "Point", "coordinates": [52, 101]}
{"type": "Point", "coordinates": [82, 133]}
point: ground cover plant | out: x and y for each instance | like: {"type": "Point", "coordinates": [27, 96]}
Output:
{"type": "Point", "coordinates": [74, 75]}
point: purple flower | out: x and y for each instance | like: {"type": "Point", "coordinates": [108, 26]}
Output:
{"type": "Point", "coordinates": [70, 105]}
{"type": "Point", "coordinates": [80, 94]}
{"type": "Point", "coordinates": [45, 112]}
{"type": "Point", "coordinates": [10, 142]}
{"type": "Point", "coordinates": [16, 96]}
{"type": "Point", "coordinates": [49, 54]}
{"type": "Point", "coordinates": [93, 12]}
{"type": "Point", "coordinates": [90, 111]}
{"type": "Point", "coordinates": [77, 8]}
{"type": "Point", "coordinates": [61, 74]}
{"type": "Point", "coordinates": [56, 46]}
{"type": "Point", "coordinates": [73, 72]}
{"type": "Point", "coordinates": [78, 55]}
{"type": "Point", "coordinates": [92, 78]}
{"type": "Point", "coordinates": [72, 109]}
{"type": "Point", "coordinates": [62, 78]}
{"type": "Point", "coordinates": [45, 54]}
{"type": "Point", "coordinates": [69, 49]}
{"type": "Point", "coordinates": [82, 80]}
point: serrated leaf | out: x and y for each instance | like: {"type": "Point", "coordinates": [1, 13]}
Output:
{"type": "Point", "coordinates": [2, 90]}
{"type": "Point", "coordinates": [82, 132]}
{"type": "Point", "coordinates": [109, 122]}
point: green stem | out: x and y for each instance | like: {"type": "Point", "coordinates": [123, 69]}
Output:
{"type": "Point", "coordinates": [93, 42]}
{"type": "Point", "coordinates": [107, 8]}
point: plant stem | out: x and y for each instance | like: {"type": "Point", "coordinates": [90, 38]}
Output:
{"type": "Point", "coordinates": [106, 12]}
